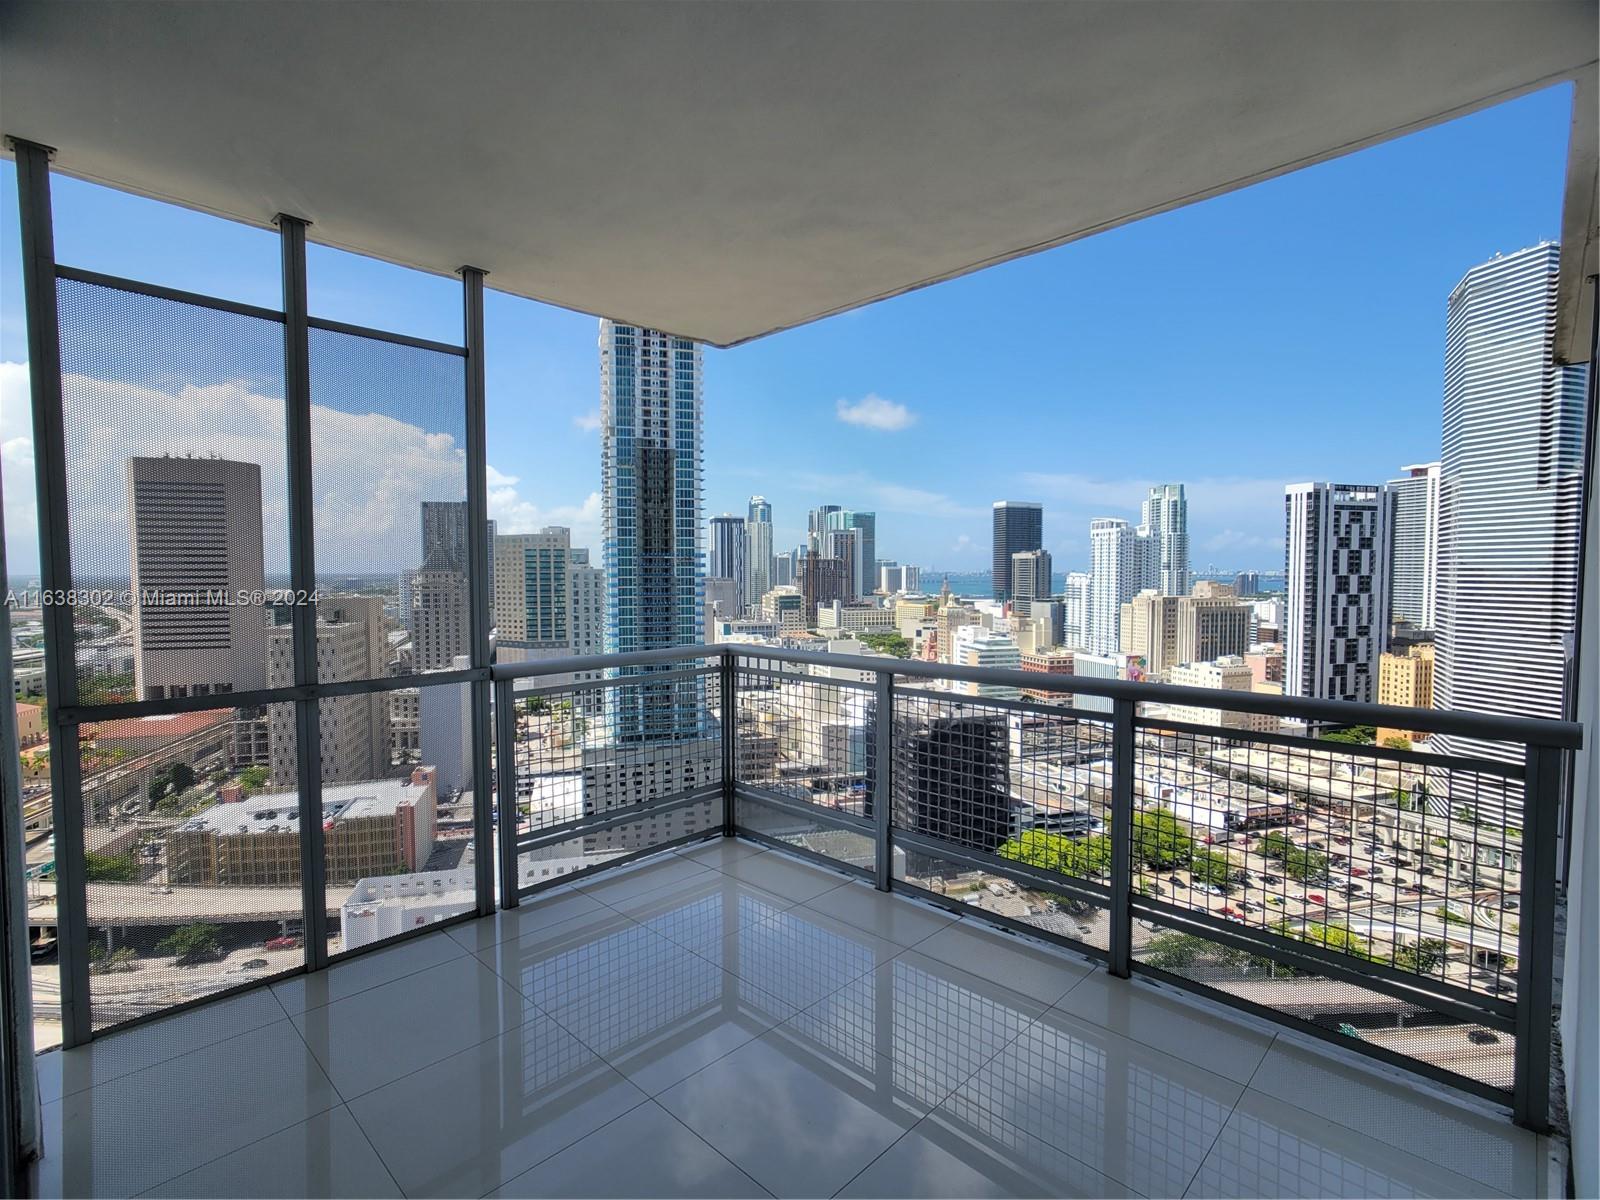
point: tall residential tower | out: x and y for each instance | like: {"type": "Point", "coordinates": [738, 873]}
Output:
{"type": "Point", "coordinates": [1165, 519]}
{"type": "Point", "coordinates": [651, 462]}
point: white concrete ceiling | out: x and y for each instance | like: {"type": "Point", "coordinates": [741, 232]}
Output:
{"type": "Point", "coordinates": [723, 170]}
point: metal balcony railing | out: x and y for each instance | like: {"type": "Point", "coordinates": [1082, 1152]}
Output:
{"type": "Point", "coordinates": [1397, 901]}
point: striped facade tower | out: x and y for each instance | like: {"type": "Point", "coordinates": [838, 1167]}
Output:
{"type": "Point", "coordinates": [1510, 494]}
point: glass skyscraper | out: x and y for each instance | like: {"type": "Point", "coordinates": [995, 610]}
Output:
{"type": "Point", "coordinates": [651, 464]}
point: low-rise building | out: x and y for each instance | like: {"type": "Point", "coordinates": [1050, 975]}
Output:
{"type": "Point", "coordinates": [1229, 674]}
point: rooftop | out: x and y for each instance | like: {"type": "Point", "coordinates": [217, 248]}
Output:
{"type": "Point", "coordinates": [266, 812]}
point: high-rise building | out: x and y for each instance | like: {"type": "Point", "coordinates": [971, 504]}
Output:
{"type": "Point", "coordinates": [444, 533]}
{"type": "Point", "coordinates": [823, 579]}
{"type": "Point", "coordinates": [1018, 526]}
{"type": "Point", "coordinates": [651, 463]}
{"type": "Point", "coordinates": [1149, 627]}
{"type": "Point", "coordinates": [785, 568]}
{"type": "Point", "coordinates": [1510, 497]}
{"type": "Point", "coordinates": [844, 544]}
{"type": "Point", "coordinates": [1165, 518]}
{"type": "Point", "coordinates": [866, 575]}
{"type": "Point", "coordinates": [194, 528]}
{"type": "Point", "coordinates": [533, 588]}
{"type": "Point", "coordinates": [979, 647]}
{"type": "Point", "coordinates": [816, 522]}
{"type": "Point", "coordinates": [1247, 583]}
{"type": "Point", "coordinates": [1119, 570]}
{"type": "Point", "coordinates": [1416, 545]}
{"type": "Point", "coordinates": [1210, 629]}
{"type": "Point", "coordinates": [1030, 577]}
{"type": "Point", "coordinates": [1075, 605]}
{"type": "Point", "coordinates": [439, 617]}
{"type": "Point", "coordinates": [951, 776]}
{"type": "Point", "coordinates": [351, 645]}
{"type": "Point", "coordinates": [727, 559]}
{"type": "Point", "coordinates": [1337, 552]}
{"type": "Point", "coordinates": [757, 551]}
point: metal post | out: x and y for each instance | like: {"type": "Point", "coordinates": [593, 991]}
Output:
{"type": "Point", "coordinates": [730, 723]}
{"type": "Point", "coordinates": [882, 791]}
{"type": "Point", "coordinates": [505, 759]}
{"type": "Point", "coordinates": [303, 582]}
{"type": "Point", "coordinates": [1122, 735]}
{"type": "Point", "coordinates": [1541, 800]}
{"type": "Point", "coordinates": [479, 585]}
{"type": "Point", "coordinates": [55, 576]}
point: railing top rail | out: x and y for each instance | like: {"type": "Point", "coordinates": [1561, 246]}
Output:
{"type": "Point", "coordinates": [1562, 735]}
{"type": "Point", "coordinates": [603, 662]}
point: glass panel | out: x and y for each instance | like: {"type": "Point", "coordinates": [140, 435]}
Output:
{"type": "Point", "coordinates": [551, 862]}
{"type": "Point", "coordinates": [397, 796]}
{"type": "Point", "coordinates": [815, 834]}
{"type": "Point", "coordinates": [192, 852]}
{"type": "Point", "coordinates": [178, 499]}
{"type": "Point", "coordinates": [389, 484]}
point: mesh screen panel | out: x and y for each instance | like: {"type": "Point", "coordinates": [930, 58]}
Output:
{"type": "Point", "coordinates": [398, 845]}
{"type": "Point", "coordinates": [577, 755]}
{"type": "Point", "coordinates": [174, 418]}
{"type": "Point", "coordinates": [193, 856]}
{"type": "Point", "coordinates": [389, 486]}
{"type": "Point", "coordinates": [804, 832]}
{"type": "Point", "coordinates": [547, 863]}
{"type": "Point", "coordinates": [1475, 1051]}
{"type": "Point", "coordinates": [1389, 862]}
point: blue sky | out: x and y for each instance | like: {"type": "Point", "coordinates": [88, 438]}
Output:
{"type": "Point", "coordinates": [1289, 331]}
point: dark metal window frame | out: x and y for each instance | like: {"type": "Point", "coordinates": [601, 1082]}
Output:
{"type": "Point", "coordinates": [65, 714]}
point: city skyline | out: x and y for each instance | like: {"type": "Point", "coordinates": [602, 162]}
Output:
{"type": "Point", "coordinates": [857, 394]}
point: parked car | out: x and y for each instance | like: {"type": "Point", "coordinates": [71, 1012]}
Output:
{"type": "Point", "coordinates": [282, 943]}
{"type": "Point", "coordinates": [1482, 1037]}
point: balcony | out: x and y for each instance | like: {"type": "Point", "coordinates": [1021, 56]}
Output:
{"type": "Point", "coordinates": [861, 936]}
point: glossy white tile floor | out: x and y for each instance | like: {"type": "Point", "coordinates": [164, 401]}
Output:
{"type": "Point", "coordinates": [728, 1021]}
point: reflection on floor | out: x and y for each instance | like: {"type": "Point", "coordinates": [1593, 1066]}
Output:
{"type": "Point", "coordinates": [728, 1021]}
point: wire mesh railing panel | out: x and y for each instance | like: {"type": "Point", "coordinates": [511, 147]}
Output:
{"type": "Point", "coordinates": [1377, 860]}
{"type": "Point", "coordinates": [580, 754]}
{"type": "Point", "coordinates": [192, 855]}
{"type": "Point", "coordinates": [805, 738]}
{"type": "Point", "coordinates": [1019, 781]}
{"type": "Point", "coordinates": [177, 507]}
{"type": "Point", "coordinates": [550, 862]}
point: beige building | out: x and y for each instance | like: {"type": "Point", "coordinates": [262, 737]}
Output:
{"type": "Point", "coordinates": [351, 644]}
{"type": "Point", "coordinates": [1406, 681]}
{"type": "Point", "coordinates": [1212, 627]}
{"type": "Point", "coordinates": [30, 723]}
{"type": "Point", "coordinates": [1149, 628]}
{"type": "Point", "coordinates": [1230, 674]}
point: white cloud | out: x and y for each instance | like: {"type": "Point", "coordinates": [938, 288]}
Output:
{"type": "Point", "coordinates": [589, 422]}
{"type": "Point", "coordinates": [512, 513]}
{"type": "Point", "coordinates": [371, 471]}
{"type": "Point", "coordinates": [874, 412]}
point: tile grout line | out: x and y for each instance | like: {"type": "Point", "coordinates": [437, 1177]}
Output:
{"type": "Point", "coordinates": [713, 1149]}
{"type": "Point", "coordinates": [1232, 1109]}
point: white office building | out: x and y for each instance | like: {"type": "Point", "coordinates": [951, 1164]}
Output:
{"type": "Point", "coordinates": [1510, 493]}
{"type": "Point", "coordinates": [1336, 606]}
{"type": "Point", "coordinates": [727, 557]}
{"type": "Point", "coordinates": [757, 551]}
{"type": "Point", "coordinates": [1416, 545]}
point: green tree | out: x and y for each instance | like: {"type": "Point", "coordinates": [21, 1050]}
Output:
{"type": "Point", "coordinates": [1395, 742]}
{"type": "Point", "coordinates": [1082, 858]}
{"type": "Point", "coordinates": [1160, 840]}
{"type": "Point", "coordinates": [1424, 956]}
{"type": "Point", "coordinates": [253, 779]}
{"type": "Point", "coordinates": [191, 944]}
{"type": "Point", "coordinates": [109, 868]}
{"type": "Point", "coordinates": [1297, 862]}
{"type": "Point", "coordinates": [887, 643]}
{"type": "Point", "coordinates": [1211, 866]}
{"type": "Point", "coordinates": [1354, 735]}
{"type": "Point", "coordinates": [123, 958]}
{"type": "Point", "coordinates": [1330, 937]}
